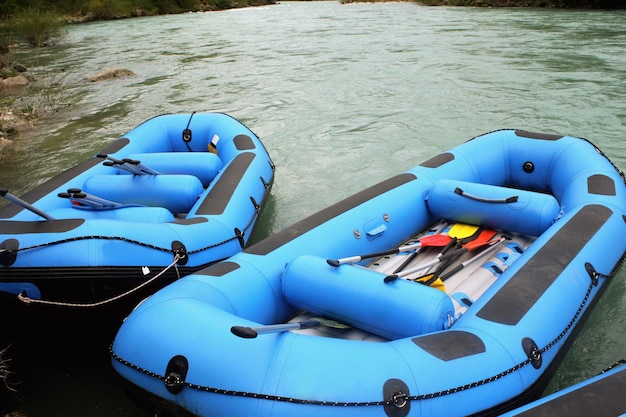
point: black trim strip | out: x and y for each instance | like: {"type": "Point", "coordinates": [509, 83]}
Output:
{"type": "Point", "coordinates": [438, 160]}
{"type": "Point", "coordinates": [222, 192]}
{"type": "Point", "coordinates": [10, 227]}
{"type": "Point", "coordinates": [243, 143]}
{"type": "Point", "coordinates": [279, 239]}
{"type": "Point", "coordinates": [601, 185]}
{"type": "Point", "coordinates": [451, 345]}
{"type": "Point", "coordinates": [534, 135]}
{"type": "Point", "coordinates": [219, 269]}
{"type": "Point", "coordinates": [523, 289]}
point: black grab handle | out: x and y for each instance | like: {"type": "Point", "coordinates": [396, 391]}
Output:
{"type": "Point", "coordinates": [512, 199]}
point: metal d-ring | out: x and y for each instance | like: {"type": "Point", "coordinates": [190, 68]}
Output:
{"type": "Point", "coordinates": [400, 399]}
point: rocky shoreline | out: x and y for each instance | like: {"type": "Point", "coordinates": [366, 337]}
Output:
{"type": "Point", "coordinates": [12, 85]}
{"type": "Point", "coordinates": [14, 88]}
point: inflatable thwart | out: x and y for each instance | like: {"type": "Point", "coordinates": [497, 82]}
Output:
{"type": "Point", "coordinates": [179, 189]}
{"type": "Point", "coordinates": [451, 289]}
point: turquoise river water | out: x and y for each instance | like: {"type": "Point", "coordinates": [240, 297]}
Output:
{"type": "Point", "coordinates": [343, 96]}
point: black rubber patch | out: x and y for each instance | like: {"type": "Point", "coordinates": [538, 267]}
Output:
{"type": "Point", "coordinates": [602, 398]}
{"type": "Point", "coordinates": [532, 352]}
{"type": "Point", "coordinates": [534, 135]}
{"type": "Point", "coordinates": [219, 269]}
{"type": "Point", "coordinates": [278, 239]}
{"type": "Point", "coordinates": [396, 391]}
{"type": "Point", "coordinates": [451, 345]}
{"type": "Point", "coordinates": [191, 221]}
{"type": "Point", "coordinates": [175, 374]}
{"type": "Point", "coordinates": [601, 185]}
{"type": "Point", "coordinates": [243, 143]}
{"type": "Point", "coordinates": [438, 160]}
{"type": "Point", "coordinates": [179, 249]}
{"type": "Point", "coordinates": [522, 291]}
{"type": "Point", "coordinates": [43, 226]}
{"type": "Point", "coordinates": [220, 195]}
{"type": "Point", "coordinates": [8, 255]}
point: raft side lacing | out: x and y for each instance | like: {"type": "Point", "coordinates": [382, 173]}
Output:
{"type": "Point", "coordinates": [614, 365]}
{"type": "Point", "coordinates": [28, 300]}
{"type": "Point", "coordinates": [136, 242]}
{"type": "Point", "coordinates": [399, 399]}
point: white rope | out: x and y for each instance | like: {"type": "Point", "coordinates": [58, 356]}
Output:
{"type": "Point", "coordinates": [28, 300]}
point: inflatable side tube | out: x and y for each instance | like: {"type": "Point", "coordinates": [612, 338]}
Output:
{"type": "Point", "coordinates": [509, 209]}
{"type": "Point", "coordinates": [360, 297]}
{"type": "Point", "coordinates": [177, 193]}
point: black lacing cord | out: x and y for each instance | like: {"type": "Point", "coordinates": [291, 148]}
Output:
{"type": "Point", "coordinates": [136, 242]}
{"type": "Point", "coordinates": [398, 399]}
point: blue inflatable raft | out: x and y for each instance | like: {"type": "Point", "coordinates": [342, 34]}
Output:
{"type": "Point", "coordinates": [449, 290]}
{"type": "Point", "coordinates": [180, 191]}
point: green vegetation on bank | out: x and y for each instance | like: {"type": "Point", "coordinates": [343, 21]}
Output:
{"type": "Point", "coordinates": [587, 4]}
{"type": "Point", "coordinates": [87, 10]}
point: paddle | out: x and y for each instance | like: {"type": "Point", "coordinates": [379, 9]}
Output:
{"type": "Point", "coordinates": [426, 241]}
{"type": "Point", "coordinates": [82, 199]}
{"type": "Point", "coordinates": [457, 231]}
{"type": "Point", "coordinates": [478, 239]}
{"type": "Point", "coordinates": [141, 167]}
{"type": "Point", "coordinates": [6, 194]}
{"type": "Point", "coordinates": [465, 233]}
{"type": "Point", "coordinates": [130, 165]}
{"type": "Point", "coordinates": [436, 279]}
{"type": "Point", "coordinates": [493, 244]}
{"type": "Point", "coordinates": [442, 258]}
{"type": "Point", "coordinates": [252, 332]}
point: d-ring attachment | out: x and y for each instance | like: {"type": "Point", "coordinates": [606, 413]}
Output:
{"type": "Point", "coordinates": [400, 399]}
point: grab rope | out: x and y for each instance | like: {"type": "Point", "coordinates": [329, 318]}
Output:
{"type": "Point", "coordinates": [398, 399]}
{"type": "Point", "coordinates": [28, 300]}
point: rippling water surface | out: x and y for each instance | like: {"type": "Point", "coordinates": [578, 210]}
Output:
{"type": "Point", "coordinates": [343, 96]}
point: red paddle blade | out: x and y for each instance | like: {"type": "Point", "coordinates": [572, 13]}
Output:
{"type": "Point", "coordinates": [435, 240]}
{"type": "Point", "coordinates": [477, 244]}
{"type": "Point", "coordinates": [482, 240]}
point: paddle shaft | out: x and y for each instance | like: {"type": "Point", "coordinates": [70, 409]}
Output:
{"type": "Point", "coordinates": [252, 332]}
{"type": "Point", "coordinates": [437, 260]}
{"type": "Point", "coordinates": [457, 231]}
{"type": "Point", "coordinates": [358, 258]}
{"type": "Point", "coordinates": [492, 246]}
{"type": "Point", "coordinates": [6, 194]}
{"type": "Point", "coordinates": [127, 164]}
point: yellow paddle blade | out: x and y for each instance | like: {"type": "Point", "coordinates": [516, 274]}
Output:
{"type": "Point", "coordinates": [438, 283]}
{"type": "Point", "coordinates": [462, 230]}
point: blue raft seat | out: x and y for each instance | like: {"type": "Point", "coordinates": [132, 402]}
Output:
{"type": "Point", "coordinates": [509, 209]}
{"type": "Point", "coordinates": [176, 193]}
{"type": "Point", "coordinates": [359, 297]}
{"type": "Point", "coordinates": [128, 214]}
{"type": "Point", "coordinates": [203, 165]}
